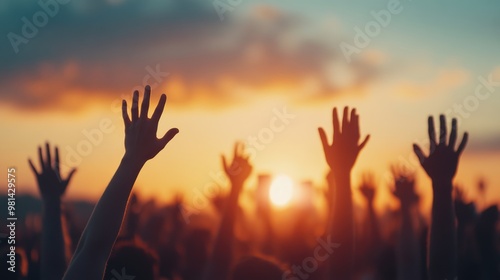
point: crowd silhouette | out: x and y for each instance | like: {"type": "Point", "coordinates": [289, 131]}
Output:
{"type": "Point", "coordinates": [129, 238]}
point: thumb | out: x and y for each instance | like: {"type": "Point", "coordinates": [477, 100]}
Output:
{"type": "Point", "coordinates": [420, 154]}
{"type": "Point", "coordinates": [169, 136]}
{"type": "Point", "coordinates": [224, 163]}
{"type": "Point", "coordinates": [70, 175]}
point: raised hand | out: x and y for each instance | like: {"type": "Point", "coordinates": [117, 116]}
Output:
{"type": "Point", "coordinates": [404, 186]}
{"type": "Point", "coordinates": [52, 186]}
{"type": "Point", "coordinates": [441, 164]}
{"type": "Point", "coordinates": [239, 169]}
{"type": "Point", "coordinates": [408, 253]}
{"type": "Point", "coordinates": [50, 183]}
{"type": "Point", "coordinates": [341, 156]}
{"type": "Point", "coordinates": [141, 143]}
{"type": "Point", "coordinates": [342, 153]}
{"type": "Point", "coordinates": [219, 263]}
{"type": "Point", "coordinates": [367, 188]}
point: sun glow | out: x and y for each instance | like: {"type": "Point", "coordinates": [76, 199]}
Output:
{"type": "Point", "coordinates": [281, 190]}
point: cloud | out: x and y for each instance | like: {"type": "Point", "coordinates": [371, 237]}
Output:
{"type": "Point", "coordinates": [488, 143]}
{"type": "Point", "coordinates": [442, 81]}
{"type": "Point", "coordinates": [107, 50]}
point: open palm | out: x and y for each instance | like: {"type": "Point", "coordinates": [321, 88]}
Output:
{"type": "Point", "coordinates": [343, 152]}
{"type": "Point", "coordinates": [50, 182]}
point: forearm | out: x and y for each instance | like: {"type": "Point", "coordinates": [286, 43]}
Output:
{"type": "Point", "coordinates": [373, 225]}
{"type": "Point", "coordinates": [103, 226]}
{"type": "Point", "coordinates": [408, 248]}
{"type": "Point", "coordinates": [341, 229]}
{"type": "Point", "coordinates": [219, 264]}
{"type": "Point", "coordinates": [53, 258]}
{"type": "Point", "coordinates": [443, 251]}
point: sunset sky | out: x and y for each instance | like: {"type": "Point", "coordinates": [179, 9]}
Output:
{"type": "Point", "coordinates": [227, 77]}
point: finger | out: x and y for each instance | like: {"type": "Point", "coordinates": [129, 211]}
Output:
{"type": "Point", "coordinates": [419, 153]}
{"type": "Point", "coordinates": [394, 170]}
{"type": "Point", "coordinates": [49, 159]}
{"type": "Point", "coordinates": [351, 122]}
{"type": "Point", "coordinates": [432, 133]}
{"type": "Point", "coordinates": [145, 102]}
{"type": "Point", "coordinates": [40, 158]}
{"type": "Point", "coordinates": [33, 167]}
{"type": "Point", "coordinates": [463, 143]}
{"type": "Point", "coordinates": [224, 163]}
{"type": "Point", "coordinates": [453, 134]}
{"type": "Point", "coordinates": [241, 149]}
{"type": "Point", "coordinates": [126, 119]}
{"type": "Point", "coordinates": [353, 116]}
{"type": "Point", "coordinates": [336, 123]}
{"type": "Point", "coordinates": [159, 108]}
{"type": "Point", "coordinates": [355, 119]}
{"type": "Point", "coordinates": [235, 150]}
{"type": "Point", "coordinates": [364, 142]}
{"type": "Point", "coordinates": [345, 121]}
{"type": "Point", "coordinates": [70, 175]}
{"type": "Point", "coordinates": [168, 136]}
{"type": "Point", "coordinates": [442, 130]}
{"type": "Point", "coordinates": [56, 163]}
{"type": "Point", "coordinates": [135, 106]}
{"type": "Point", "coordinates": [324, 140]}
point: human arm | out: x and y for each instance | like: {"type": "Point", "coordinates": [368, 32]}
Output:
{"type": "Point", "coordinates": [54, 247]}
{"type": "Point", "coordinates": [219, 264]}
{"type": "Point", "coordinates": [441, 166]}
{"type": "Point", "coordinates": [141, 144]}
{"type": "Point", "coordinates": [408, 247]}
{"type": "Point", "coordinates": [341, 156]}
{"type": "Point", "coordinates": [368, 191]}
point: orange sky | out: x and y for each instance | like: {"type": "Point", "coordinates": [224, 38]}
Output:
{"type": "Point", "coordinates": [225, 80]}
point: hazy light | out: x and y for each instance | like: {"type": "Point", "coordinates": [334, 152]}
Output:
{"type": "Point", "coordinates": [281, 190]}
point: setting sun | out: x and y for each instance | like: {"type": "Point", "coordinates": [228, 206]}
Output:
{"type": "Point", "coordinates": [281, 190]}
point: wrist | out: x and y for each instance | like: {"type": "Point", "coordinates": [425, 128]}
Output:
{"type": "Point", "coordinates": [51, 203]}
{"type": "Point", "coordinates": [442, 187]}
{"type": "Point", "coordinates": [51, 198]}
{"type": "Point", "coordinates": [235, 188]}
{"type": "Point", "coordinates": [131, 161]}
{"type": "Point", "coordinates": [341, 178]}
{"type": "Point", "coordinates": [370, 204]}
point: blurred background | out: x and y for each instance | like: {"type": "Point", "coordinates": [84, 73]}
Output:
{"type": "Point", "coordinates": [263, 72]}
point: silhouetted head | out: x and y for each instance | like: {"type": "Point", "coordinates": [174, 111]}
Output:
{"type": "Point", "coordinates": [251, 268]}
{"type": "Point", "coordinates": [132, 258]}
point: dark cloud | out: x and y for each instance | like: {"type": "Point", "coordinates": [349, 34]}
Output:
{"type": "Point", "coordinates": [484, 144]}
{"type": "Point", "coordinates": [99, 51]}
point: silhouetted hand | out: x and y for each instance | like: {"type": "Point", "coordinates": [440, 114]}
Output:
{"type": "Point", "coordinates": [441, 164]}
{"type": "Point", "coordinates": [404, 186]}
{"type": "Point", "coordinates": [367, 188]}
{"type": "Point", "coordinates": [50, 183]}
{"type": "Point", "coordinates": [342, 153]}
{"type": "Point", "coordinates": [141, 143]}
{"type": "Point", "coordinates": [239, 169]}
